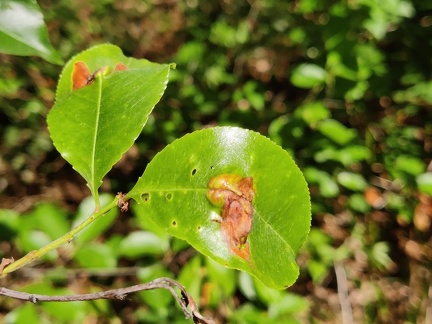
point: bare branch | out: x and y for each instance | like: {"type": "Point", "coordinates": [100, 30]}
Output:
{"type": "Point", "coordinates": [184, 299]}
{"type": "Point", "coordinates": [347, 315]}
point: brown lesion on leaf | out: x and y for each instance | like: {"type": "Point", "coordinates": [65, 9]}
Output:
{"type": "Point", "coordinates": [234, 195]}
{"type": "Point", "coordinates": [82, 77]}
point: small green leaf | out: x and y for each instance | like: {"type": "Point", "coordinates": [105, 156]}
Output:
{"type": "Point", "coordinates": [317, 270]}
{"type": "Point", "coordinates": [50, 219]}
{"type": "Point", "coordinates": [70, 312]}
{"type": "Point", "coordinates": [223, 276]}
{"type": "Point", "coordinates": [140, 243]}
{"type": "Point", "coordinates": [265, 294]}
{"type": "Point", "coordinates": [289, 304]}
{"type": "Point", "coordinates": [26, 313]}
{"type": "Point", "coordinates": [336, 131]}
{"type": "Point", "coordinates": [159, 298]}
{"type": "Point", "coordinates": [379, 255]}
{"type": "Point", "coordinates": [327, 186]}
{"type": "Point", "coordinates": [410, 164]}
{"type": "Point", "coordinates": [352, 181]}
{"type": "Point", "coordinates": [358, 203]}
{"type": "Point", "coordinates": [9, 224]}
{"type": "Point", "coordinates": [313, 112]}
{"type": "Point", "coordinates": [176, 199]}
{"type": "Point", "coordinates": [23, 32]}
{"type": "Point", "coordinates": [191, 276]}
{"type": "Point", "coordinates": [308, 76]}
{"type": "Point", "coordinates": [96, 255]}
{"type": "Point", "coordinates": [93, 126]}
{"type": "Point", "coordinates": [424, 183]}
{"type": "Point", "coordinates": [85, 209]}
{"type": "Point", "coordinates": [246, 286]}
{"type": "Point", "coordinates": [30, 240]}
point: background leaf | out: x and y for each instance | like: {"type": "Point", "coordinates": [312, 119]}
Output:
{"type": "Point", "coordinates": [102, 224]}
{"type": "Point", "coordinates": [93, 126]}
{"type": "Point", "coordinates": [176, 199]}
{"type": "Point", "coordinates": [23, 31]}
{"type": "Point", "coordinates": [308, 76]}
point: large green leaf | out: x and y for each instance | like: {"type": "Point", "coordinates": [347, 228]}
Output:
{"type": "Point", "coordinates": [23, 32]}
{"type": "Point", "coordinates": [174, 187]}
{"type": "Point", "coordinates": [93, 126]}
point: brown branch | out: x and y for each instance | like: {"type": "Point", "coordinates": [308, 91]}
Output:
{"type": "Point", "coordinates": [184, 300]}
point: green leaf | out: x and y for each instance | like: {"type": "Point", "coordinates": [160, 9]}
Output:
{"type": "Point", "coordinates": [308, 76]}
{"type": "Point", "coordinates": [352, 181]}
{"type": "Point", "coordinates": [176, 199]}
{"type": "Point", "coordinates": [50, 219]}
{"type": "Point", "coordinates": [410, 164]}
{"type": "Point", "coordinates": [224, 277]}
{"type": "Point", "coordinates": [380, 255]}
{"type": "Point", "coordinates": [96, 255]}
{"type": "Point", "coordinates": [336, 131]}
{"type": "Point", "coordinates": [23, 32]}
{"type": "Point", "coordinates": [70, 312]}
{"type": "Point", "coordinates": [424, 183]}
{"type": "Point", "coordinates": [140, 243]}
{"type": "Point", "coordinates": [327, 186]}
{"type": "Point", "coordinates": [30, 240]}
{"type": "Point", "coordinates": [313, 112]}
{"type": "Point", "coordinates": [288, 304]}
{"type": "Point", "coordinates": [9, 224]}
{"type": "Point", "coordinates": [191, 276]}
{"type": "Point", "coordinates": [158, 298]}
{"type": "Point", "coordinates": [93, 126]}
{"type": "Point", "coordinates": [346, 155]}
{"type": "Point", "coordinates": [86, 208]}
{"type": "Point", "coordinates": [26, 313]}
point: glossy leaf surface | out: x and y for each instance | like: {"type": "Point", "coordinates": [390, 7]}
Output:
{"type": "Point", "coordinates": [176, 198]}
{"type": "Point", "coordinates": [23, 31]}
{"type": "Point", "coordinates": [94, 125]}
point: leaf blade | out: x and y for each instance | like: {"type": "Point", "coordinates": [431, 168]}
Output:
{"type": "Point", "coordinates": [176, 199]}
{"type": "Point", "coordinates": [93, 126]}
{"type": "Point", "coordinates": [23, 32]}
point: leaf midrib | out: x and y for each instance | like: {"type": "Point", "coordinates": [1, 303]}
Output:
{"type": "Point", "coordinates": [95, 137]}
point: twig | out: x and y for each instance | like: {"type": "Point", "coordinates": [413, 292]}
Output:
{"type": "Point", "coordinates": [37, 273]}
{"type": "Point", "coordinates": [184, 300]}
{"type": "Point", "coordinates": [428, 316]}
{"type": "Point", "coordinates": [347, 317]}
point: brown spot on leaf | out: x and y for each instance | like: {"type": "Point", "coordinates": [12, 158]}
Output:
{"type": "Point", "coordinates": [81, 76]}
{"type": "Point", "coordinates": [120, 67]}
{"type": "Point", "coordinates": [234, 195]}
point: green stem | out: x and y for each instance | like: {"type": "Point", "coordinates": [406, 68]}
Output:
{"type": "Point", "coordinates": [67, 238]}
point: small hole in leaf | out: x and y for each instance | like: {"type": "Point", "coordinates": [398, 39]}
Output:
{"type": "Point", "coordinates": [145, 197]}
{"type": "Point", "coordinates": [168, 196]}
{"type": "Point", "coordinates": [194, 171]}
{"type": "Point", "coordinates": [212, 167]}
{"type": "Point", "coordinates": [199, 228]}
{"type": "Point", "coordinates": [174, 223]}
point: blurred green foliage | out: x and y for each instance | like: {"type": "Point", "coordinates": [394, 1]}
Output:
{"type": "Point", "coordinates": [342, 85]}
